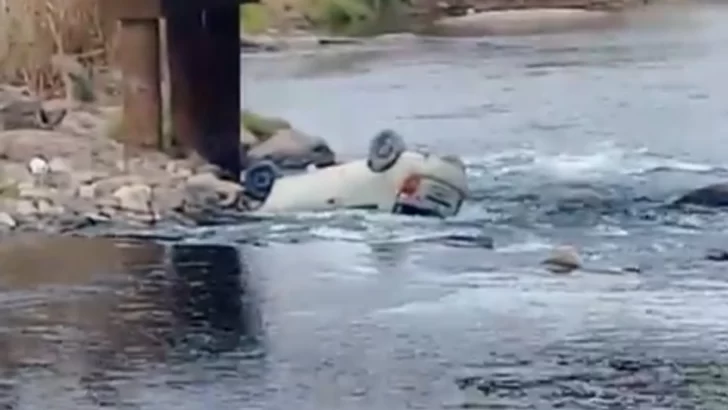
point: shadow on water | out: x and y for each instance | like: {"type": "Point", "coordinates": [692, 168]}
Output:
{"type": "Point", "coordinates": [81, 318]}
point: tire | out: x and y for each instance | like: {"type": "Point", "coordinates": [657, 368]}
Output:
{"type": "Point", "coordinates": [259, 180]}
{"type": "Point", "coordinates": [384, 151]}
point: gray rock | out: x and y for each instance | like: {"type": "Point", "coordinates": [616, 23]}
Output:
{"type": "Point", "coordinates": [563, 259]}
{"type": "Point", "coordinates": [136, 202]}
{"type": "Point", "coordinates": [7, 220]}
{"type": "Point", "coordinates": [208, 190]}
{"type": "Point", "coordinates": [291, 149]}
{"type": "Point", "coordinates": [30, 191]}
{"type": "Point", "coordinates": [59, 165]}
{"type": "Point", "coordinates": [47, 207]}
{"type": "Point", "coordinates": [25, 208]}
{"type": "Point", "coordinates": [85, 191]}
{"type": "Point", "coordinates": [108, 186]}
{"type": "Point", "coordinates": [715, 195]}
{"type": "Point", "coordinates": [251, 44]}
{"type": "Point", "coordinates": [20, 110]}
{"type": "Point", "coordinates": [717, 255]}
{"type": "Point", "coordinates": [178, 169]}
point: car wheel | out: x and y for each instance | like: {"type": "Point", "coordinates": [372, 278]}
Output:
{"type": "Point", "coordinates": [259, 180]}
{"type": "Point", "coordinates": [384, 150]}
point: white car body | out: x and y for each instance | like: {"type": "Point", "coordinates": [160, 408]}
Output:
{"type": "Point", "coordinates": [411, 182]}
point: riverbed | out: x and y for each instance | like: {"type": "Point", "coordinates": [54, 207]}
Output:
{"type": "Point", "coordinates": [577, 138]}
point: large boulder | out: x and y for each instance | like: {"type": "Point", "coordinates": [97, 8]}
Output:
{"type": "Point", "coordinates": [715, 195]}
{"type": "Point", "coordinates": [292, 150]}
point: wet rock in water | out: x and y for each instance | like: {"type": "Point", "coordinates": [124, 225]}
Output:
{"type": "Point", "coordinates": [332, 41]}
{"type": "Point", "coordinates": [251, 44]}
{"type": "Point", "coordinates": [475, 241]}
{"type": "Point", "coordinates": [717, 255]}
{"type": "Point", "coordinates": [563, 259]}
{"type": "Point", "coordinates": [715, 195]}
{"type": "Point", "coordinates": [632, 269]}
{"type": "Point", "coordinates": [293, 150]}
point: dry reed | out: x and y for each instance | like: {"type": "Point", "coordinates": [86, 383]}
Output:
{"type": "Point", "coordinates": [32, 31]}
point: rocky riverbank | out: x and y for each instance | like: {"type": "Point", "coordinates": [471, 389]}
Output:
{"type": "Point", "coordinates": [288, 31]}
{"type": "Point", "coordinates": [61, 171]}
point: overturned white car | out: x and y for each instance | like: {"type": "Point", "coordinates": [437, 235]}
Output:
{"type": "Point", "coordinates": [391, 179]}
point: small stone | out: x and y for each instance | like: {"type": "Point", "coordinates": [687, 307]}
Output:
{"type": "Point", "coordinates": [108, 186]}
{"type": "Point", "coordinates": [563, 259]}
{"type": "Point", "coordinates": [178, 170]}
{"type": "Point", "coordinates": [59, 165]}
{"type": "Point", "coordinates": [226, 193]}
{"type": "Point", "coordinates": [25, 207]}
{"type": "Point", "coordinates": [28, 190]}
{"type": "Point", "coordinates": [7, 220]}
{"type": "Point", "coordinates": [86, 191]}
{"type": "Point", "coordinates": [46, 207]}
{"type": "Point", "coordinates": [87, 177]}
{"type": "Point", "coordinates": [135, 198]}
{"type": "Point", "coordinates": [717, 255]}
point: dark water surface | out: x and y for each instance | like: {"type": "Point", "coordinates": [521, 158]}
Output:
{"type": "Point", "coordinates": [578, 138]}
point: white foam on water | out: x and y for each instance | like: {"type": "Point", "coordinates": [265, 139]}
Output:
{"type": "Point", "coordinates": [603, 159]}
{"type": "Point", "coordinates": [531, 245]}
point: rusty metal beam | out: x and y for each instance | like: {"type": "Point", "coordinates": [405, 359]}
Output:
{"type": "Point", "coordinates": [204, 69]}
{"type": "Point", "coordinates": [139, 60]}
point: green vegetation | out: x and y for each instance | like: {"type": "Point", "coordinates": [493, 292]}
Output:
{"type": "Point", "coordinates": [349, 17]}
{"type": "Point", "coordinates": [355, 17]}
{"type": "Point", "coordinates": [255, 18]}
{"type": "Point", "coordinates": [342, 15]}
{"type": "Point", "coordinates": [260, 126]}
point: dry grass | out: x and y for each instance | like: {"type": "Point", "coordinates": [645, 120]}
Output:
{"type": "Point", "coordinates": [32, 31]}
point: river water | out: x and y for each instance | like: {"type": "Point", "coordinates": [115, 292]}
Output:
{"type": "Point", "coordinates": [576, 138]}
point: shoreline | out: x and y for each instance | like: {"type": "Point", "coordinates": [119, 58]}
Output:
{"type": "Point", "coordinates": [73, 174]}
{"type": "Point", "coordinates": [475, 21]}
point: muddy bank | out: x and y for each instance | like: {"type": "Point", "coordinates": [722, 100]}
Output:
{"type": "Point", "coordinates": [60, 170]}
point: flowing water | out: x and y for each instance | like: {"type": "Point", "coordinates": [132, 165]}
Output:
{"type": "Point", "coordinates": [576, 138]}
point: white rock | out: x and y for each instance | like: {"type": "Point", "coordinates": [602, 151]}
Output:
{"type": "Point", "coordinates": [225, 192]}
{"type": "Point", "coordinates": [86, 191]}
{"type": "Point", "coordinates": [7, 220]}
{"type": "Point", "coordinates": [25, 208]}
{"type": "Point", "coordinates": [135, 198]}
{"type": "Point", "coordinates": [38, 166]}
